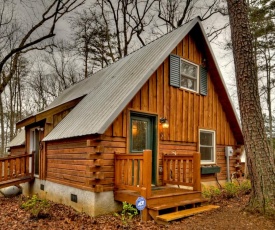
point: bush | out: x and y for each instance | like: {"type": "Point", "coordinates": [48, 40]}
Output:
{"type": "Point", "coordinates": [211, 192]}
{"type": "Point", "coordinates": [245, 187]}
{"type": "Point", "coordinates": [231, 189]}
{"type": "Point", "coordinates": [127, 213]}
{"type": "Point", "coordinates": [38, 208]}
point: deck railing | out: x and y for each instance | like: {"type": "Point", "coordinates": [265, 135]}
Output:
{"type": "Point", "coordinates": [16, 167]}
{"type": "Point", "coordinates": [182, 169]}
{"type": "Point", "coordinates": [134, 172]}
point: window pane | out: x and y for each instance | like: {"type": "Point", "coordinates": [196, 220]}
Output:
{"type": "Point", "coordinates": [139, 135]}
{"type": "Point", "coordinates": [188, 69]}
{"type": "Point", "coordinates": [207, 154]}
{"type": "Point", "coordinates": [206, 138]}
{"type": "Point", "coordinates": [188, 83]}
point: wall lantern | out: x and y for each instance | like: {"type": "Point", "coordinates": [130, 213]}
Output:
{"type": "Point", "coordinates": [164, 122]}
{"type": "Point", "coordinates": [134, 128]}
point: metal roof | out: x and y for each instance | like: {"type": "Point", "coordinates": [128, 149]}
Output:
{"type": "Point", "coordinates": [18, 140]}
{"type": "Point", "coordinates": [110, 90]}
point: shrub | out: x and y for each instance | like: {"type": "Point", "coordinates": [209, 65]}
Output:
{"type": "Point", "coordinates": [127, 213]}
{"type": "Point", "coordinates": [37, 207]}
{"type": "Point", "coordinates": [245, 187]}
{"type": "Point", "coordinates": [231, 189]}
{"type": "Point", "coordinates": [210, 192]}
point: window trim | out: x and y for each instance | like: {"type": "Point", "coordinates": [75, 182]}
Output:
{"type": "Point", "coordinates": [203, 162]}
{"type": "Point", "coordinates": [190, 77]}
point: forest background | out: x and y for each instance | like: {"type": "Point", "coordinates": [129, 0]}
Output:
{"type": "Point", "coordinates": [86, 36]}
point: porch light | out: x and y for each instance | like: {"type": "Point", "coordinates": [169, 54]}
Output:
{"type": "Point", "coordinates": [164, 122]}
{"type": "Point", "coordinates": [134, 129]}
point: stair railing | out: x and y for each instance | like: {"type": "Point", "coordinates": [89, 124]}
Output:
{"type": "Point", "coordinates": [182, 169]}
{"type": "Point", "coordinates": [134, 172]}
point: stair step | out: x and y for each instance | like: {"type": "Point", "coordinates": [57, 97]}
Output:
{"type": "Point", "coordinates": [176, 204]}
{"type": "Point", "coordinates": [184, 213]}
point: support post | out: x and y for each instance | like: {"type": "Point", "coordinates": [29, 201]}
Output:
{"type": "Point", "coordinates": [196, 171]}
{"type": "Point", "coordinates": [147, 171]}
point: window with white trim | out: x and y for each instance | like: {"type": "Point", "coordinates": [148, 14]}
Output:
{"type": "Point", "coordinates": [189, 75]}
{"type": "Point", "coordinates": [207, 146]}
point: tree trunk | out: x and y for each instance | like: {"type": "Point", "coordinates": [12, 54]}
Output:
{"type": "Point", "coordinates": [2, 149]}
{"type": "Point", "coordinates": [260, 159]}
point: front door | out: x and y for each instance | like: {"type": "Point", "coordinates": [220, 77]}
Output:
{"type": "Point", "coordinates": [143, 136]}
{"type": "Point", "coordinates": [34, 148]}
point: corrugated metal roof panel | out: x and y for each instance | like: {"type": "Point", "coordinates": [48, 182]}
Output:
{"type": "Point", "coordinates": [18, 140]}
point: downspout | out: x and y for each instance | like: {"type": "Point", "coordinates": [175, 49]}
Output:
{"type": "Point", "coordinates": [228, 153]}
{"type": "Point", "coordinates": [227, 168]}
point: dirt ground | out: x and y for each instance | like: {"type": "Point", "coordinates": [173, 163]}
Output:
{"type": "Point", "coordinates": [230, 215]}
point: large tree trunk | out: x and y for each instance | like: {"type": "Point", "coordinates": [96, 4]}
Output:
{"type": "Point", "coordinates": [260, 159]}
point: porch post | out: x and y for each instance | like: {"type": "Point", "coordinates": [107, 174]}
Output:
{"type": "Point", "coordinates": [197, 171]}
{"type": "Point", "coordinates": [147, 171]}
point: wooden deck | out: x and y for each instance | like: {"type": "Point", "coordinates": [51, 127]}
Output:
{"type": "Point", "coordinates": [15, 170]}
{"type": "Point", "coordinates": [133, 179]}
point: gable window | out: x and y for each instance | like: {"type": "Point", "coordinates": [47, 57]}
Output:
{"type": "Point", "coordinates": [189, 75]}
{"type": "Point", "coordinates": [207, 146]}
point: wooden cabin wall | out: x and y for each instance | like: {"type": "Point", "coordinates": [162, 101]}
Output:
{"type": "Point", "coordinates": [74, 162]}
{"type": "Point", "coordinates": [17, 150]}
{"type": "Point", "coordinates": [186, 111]}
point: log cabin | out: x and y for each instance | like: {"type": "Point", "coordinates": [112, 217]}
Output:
{"type": "Point", "coordinates": [158, 123]}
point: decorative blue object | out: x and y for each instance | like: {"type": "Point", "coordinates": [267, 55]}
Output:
{"type": "Point", "coordinates": [140, 203]}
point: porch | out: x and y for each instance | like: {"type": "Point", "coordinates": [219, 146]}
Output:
{"type": "Point", "coordinates": [180, 188]}
{"type": "Point", "coordinates": [15, 170]}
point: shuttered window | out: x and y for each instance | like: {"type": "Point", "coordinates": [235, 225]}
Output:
{"type": "Point", "coordinates": [187, 75]}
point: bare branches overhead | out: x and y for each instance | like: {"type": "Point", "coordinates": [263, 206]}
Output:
{"type": "Point", "coordinates": [41, 29]}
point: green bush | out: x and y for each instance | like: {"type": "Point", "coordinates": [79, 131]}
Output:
{"type": "Point", "coordinates": [211, 192]}
{"type": "Point", "coordinates": [245, 187]}
{"type": "Point", "coordinates": [127, 213]}
{"type": "Point", "coordinates": [231, 189]}
{"type": "Point", "coordinates": [38, 208]}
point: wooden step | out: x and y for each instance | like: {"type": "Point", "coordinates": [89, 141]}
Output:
{"type": "Point", "coordinates": [176, 204]}
{"type": "Point", "coordinates": [184, 213]}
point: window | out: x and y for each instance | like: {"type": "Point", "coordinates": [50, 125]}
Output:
{"type": "Point", "coordinates": [189, 75]}
{"type": "Point", "coordinates": [207, 147]}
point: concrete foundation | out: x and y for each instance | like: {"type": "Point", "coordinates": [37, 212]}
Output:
{"type": "Point", "coordinates": [93, 204]}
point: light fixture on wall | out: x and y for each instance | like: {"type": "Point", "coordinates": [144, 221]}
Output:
{"type": "Point", "coordinates": [134, 128]}
{"type": "Point", "coordinates": [164, 122]}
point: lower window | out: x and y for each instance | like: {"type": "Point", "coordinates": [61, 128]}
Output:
{"type": "Point", "coordinates": [207, 146]}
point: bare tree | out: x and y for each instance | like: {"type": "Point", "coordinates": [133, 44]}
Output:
{"type": "Point", "coordinates": [260, 159]}
{"type": "Point", "coordinates": [126, 20]}
{"type": "Point", "coordinates": [93, 40]}
{"type": "Point", "coordinates": [41, 29]}
{"type": "Point", "coordinates": [174, 13]}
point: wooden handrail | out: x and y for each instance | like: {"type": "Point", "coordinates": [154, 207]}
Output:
{"type": "Point", "coordinates": [16, 167]}
{"type": "Point", "coordinates": [134, 172]}
{"type": "Point", "coordinates": [182, 169]}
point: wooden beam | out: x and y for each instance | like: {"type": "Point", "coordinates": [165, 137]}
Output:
{"type": "Point", "coordinates": [25, 122]}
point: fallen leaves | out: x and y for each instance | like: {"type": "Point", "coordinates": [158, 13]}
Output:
{"type": "Point", "coordinates": [230, 215]}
